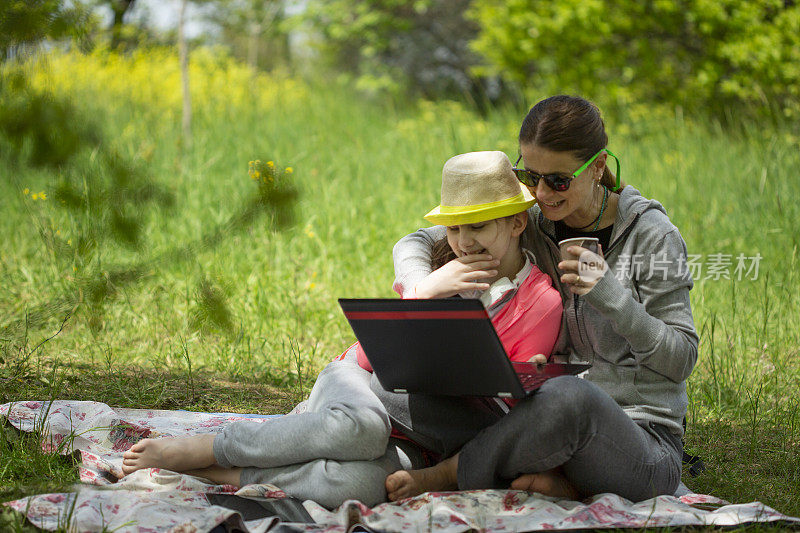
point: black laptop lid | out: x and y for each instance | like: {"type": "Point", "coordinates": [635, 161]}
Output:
{"type": "Point", "coordinates": [444, 346]}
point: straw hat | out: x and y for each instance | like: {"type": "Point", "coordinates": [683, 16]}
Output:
{"type": "Point", "coordinates": [479, 186]}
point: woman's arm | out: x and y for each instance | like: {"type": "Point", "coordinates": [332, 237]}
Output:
{"type": "Point", "coordinates": [412, 259]}
{"type": "Point", "coordinates": [659, 327]}
{"type": "Point", "coordinates": [413, 272]}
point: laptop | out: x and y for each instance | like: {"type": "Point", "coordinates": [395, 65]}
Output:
{"type": "Point", "coordinates": [446, 346]}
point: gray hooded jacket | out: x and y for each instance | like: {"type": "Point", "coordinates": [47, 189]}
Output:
{"type": "Point", "coordinates": [635, 326]}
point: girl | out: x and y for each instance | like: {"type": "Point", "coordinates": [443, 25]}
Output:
{"type": "Point", "coordinates": [619, 430]}
{"type": "Point", "coordinates": [340, 446]}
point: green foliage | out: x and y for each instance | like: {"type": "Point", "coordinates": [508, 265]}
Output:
{"type": "Point", "coordinates": [25, 22]}
{"type": "Point", "coordinates": [713, 55]}
{"type": "Point", "coordinates": [107, 194]}
{"type": "Point", "coordinates": [109, 199]}
{"type": "Point", "coordinates": [255, 31]}
{"type": "Point", "coordinates": [35, 125]}
{"type": "Point", "coordinates": [211, 310]}
{"type": "Point", "coordinates": [419, 47]}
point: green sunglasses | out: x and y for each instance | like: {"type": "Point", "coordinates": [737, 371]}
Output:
{"type": "Point", "coordinates": [559, 182]}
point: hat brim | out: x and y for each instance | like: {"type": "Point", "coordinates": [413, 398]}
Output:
{"type": "Point", "coordinates": [471, 215]}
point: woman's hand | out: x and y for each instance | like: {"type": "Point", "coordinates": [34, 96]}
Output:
{"type": "Point", "coordinates": [461, 274]}
{"type": "Point", "coordinates": [582, 274]}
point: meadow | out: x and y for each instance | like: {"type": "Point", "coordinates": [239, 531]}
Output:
{"type": "Point", "coordinates": [366, 170]}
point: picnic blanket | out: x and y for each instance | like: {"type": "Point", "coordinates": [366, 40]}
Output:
{"type": "Point", "coordinates": [160, 500]}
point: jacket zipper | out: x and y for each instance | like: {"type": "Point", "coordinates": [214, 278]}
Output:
{"type": "Point", "coordinates": [624, 233]}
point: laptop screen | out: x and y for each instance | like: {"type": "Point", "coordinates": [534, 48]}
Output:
{"type": "Point", "coordinates": [444, 346]}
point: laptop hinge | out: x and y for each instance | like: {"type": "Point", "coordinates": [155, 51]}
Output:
{"type": "Point", "coordinates": [503, 405]}
{"type": "Point", "coordinates": [401, 391]}
{"type": "Point", "coordinates": [504, 395]}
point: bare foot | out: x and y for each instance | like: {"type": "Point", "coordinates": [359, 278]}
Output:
{"type": "Point", "coordinates": [407, 483]}
{"type": "Point", "coordinates": [550, 483]}
{"type": "Point", "coordinates": [219, 475]}
{"type": "Point", "coordinates": [177, 454]}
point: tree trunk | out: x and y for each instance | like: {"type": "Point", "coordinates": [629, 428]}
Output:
{"type": "Point", "coordinates": [119, 8]}
{"type": "Point", "coordinates": [187, 101]}
{"type": "Point", "coordinates": [252, 45]}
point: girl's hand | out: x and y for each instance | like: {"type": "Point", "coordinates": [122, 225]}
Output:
{"type": "Point", "coordinates": [582, 275]}
{"type": "Point", "coordinates": [461, 274]}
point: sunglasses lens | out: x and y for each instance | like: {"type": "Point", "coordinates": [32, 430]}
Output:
{"type": "Point", "coordinates": [559, 184]}
{"type": "Point", "coordinates": [531, 179]}
{"type": "Point", "coordinates": [525, 177]}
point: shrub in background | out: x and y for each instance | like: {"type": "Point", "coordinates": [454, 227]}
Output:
{"type": "Point", "coordinates": [714, 55]}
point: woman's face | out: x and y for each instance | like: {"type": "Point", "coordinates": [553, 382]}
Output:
{"type": "Point", "coordinates": [575, 205]}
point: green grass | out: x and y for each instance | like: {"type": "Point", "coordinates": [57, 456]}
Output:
{"type": "Point", "coordinates": [367, 170]}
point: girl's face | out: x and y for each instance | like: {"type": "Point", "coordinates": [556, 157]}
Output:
{"type": "Point", "coordinates": [575, 205]}
{"type": "Point", "coordinates": [496, 237]}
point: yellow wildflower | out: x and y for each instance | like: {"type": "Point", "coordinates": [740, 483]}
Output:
{"type": "Point", "coordinates": [312, 285]}
{"type": "Point", "coordinates": [270, 164]}
{"type": "Point", "coordinates": [289, 170]}
{"type": "Point", "coordinates": [42, 196]}
{"type": "Point", "coordinates": [35, 196]}
{"type": "Point", "coordinates": [26, 191]}
{"type": "Point", "coordinates": [256, 175]}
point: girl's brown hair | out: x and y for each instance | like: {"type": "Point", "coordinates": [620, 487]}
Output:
{"type": "Point", "coordinates": [568, 124]}
{"type": "Point", "coordinates": [441, 254]}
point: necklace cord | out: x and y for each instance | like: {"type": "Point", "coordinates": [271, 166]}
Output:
{"type": "Point", "coordinates": [596, 221]}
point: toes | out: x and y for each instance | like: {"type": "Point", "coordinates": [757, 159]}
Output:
{"type": "Point", "coordinates": [393, 482]}
{"type": "Point", "coordinates": [139, 446]}
{"type": "Point", "coordinates": [397, 485]}
{"type": "Point", "coordinates": [397, 495]}
{"type": "Point", "coordinates": [523, 482]}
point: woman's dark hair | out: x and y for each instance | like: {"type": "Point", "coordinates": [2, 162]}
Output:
{"type": "Point", "coordinates": [567, 124]}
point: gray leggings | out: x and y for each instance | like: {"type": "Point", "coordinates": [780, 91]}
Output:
{"type": "Point", "coordinates": [568, 422]}
{"type": "Point", "coordinates": [338, 448]}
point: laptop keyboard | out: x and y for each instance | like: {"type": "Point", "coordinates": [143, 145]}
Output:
{"type": "Point", "coordinates": [532, 381]}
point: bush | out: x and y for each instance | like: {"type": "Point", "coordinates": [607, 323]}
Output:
{"type": "Point", "coordinates": [713, 55]}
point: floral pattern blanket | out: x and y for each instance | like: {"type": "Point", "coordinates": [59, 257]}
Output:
{"type": "Point", "coordinates": [160, 500]}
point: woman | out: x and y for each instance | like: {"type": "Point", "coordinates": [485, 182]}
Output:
{"type": "Point", "coordinates": [618, 430]}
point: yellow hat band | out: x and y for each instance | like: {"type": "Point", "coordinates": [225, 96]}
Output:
{"type": "Point", "coordinates": [466, 209]}
{"type": "Point", "coordinates": [451, 215]}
